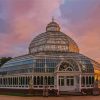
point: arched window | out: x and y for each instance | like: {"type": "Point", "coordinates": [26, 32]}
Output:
{"type": "Point", "coordinates": [34, 80]}
{"type": "Point", "coordinates": [15, 81]}
{"type": "Point", "coordinates": [87, 81]}
{"type": "Point", "coordinates": [52, 80]}
{"type": "Point", "coordinates": [69, 69]}
{"type": "Point", "coordinates": [21, 81]}
{"type": "Point", "coordinates": [90, 79]}
{"type": "Point", "coordinates": [68, 65]}
{"type": "Point", "coordinates": [83, 81]}
{"type": "Point", "coordinates": [26, 80]}
{"type": "Point", "coordinates": [45, 80]}
{"type": "Point", "coordinates": [4, 81]}
{"type": "Point", "coordinates": [38, 80]}
{"type": "Point", "coordinates": [10, 81]}
{"type": "Point", "coordinates": [49, 80]}
{"type": "Point", "coordinates": [41, 82]}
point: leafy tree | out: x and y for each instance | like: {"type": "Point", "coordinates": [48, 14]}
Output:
{"type": "Point", "coordinates": [4, 60]}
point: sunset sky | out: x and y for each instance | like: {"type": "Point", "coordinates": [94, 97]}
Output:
{"type": "Point", "coordinates": [22, 20]}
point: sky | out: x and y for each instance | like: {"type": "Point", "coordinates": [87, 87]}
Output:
{"type": "Point", "coordinates": [22, 20]}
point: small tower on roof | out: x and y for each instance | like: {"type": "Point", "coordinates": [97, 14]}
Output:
{"type": "Point", "coordinates": [53, 26]}
{"type": "Point", "coordinates": [53, 19]}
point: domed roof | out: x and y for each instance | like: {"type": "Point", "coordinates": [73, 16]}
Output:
{"type": "Point", "coordinates": [53, 40]}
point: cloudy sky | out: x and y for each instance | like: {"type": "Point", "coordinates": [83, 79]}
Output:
{"type": "Point", "coordinates": [22, 20]}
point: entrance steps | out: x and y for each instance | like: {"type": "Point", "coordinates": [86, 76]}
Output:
{"type": "Point", "coordinates": [70, 93]}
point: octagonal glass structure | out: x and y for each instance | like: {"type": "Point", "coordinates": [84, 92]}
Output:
{"type": "Point", "coordinates": [54, 61]}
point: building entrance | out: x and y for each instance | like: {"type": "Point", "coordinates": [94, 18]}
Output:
{"type": "Point", "coordinates": [67, 83]}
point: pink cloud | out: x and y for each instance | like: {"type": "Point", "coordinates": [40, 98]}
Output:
{"type": "Point", "coordinates": [27, 18]}
{"type": "Point", "coordinates": [84, 26]}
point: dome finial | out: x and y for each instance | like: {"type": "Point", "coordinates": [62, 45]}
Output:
{"type": "Point", "coordinates": [53, 19]}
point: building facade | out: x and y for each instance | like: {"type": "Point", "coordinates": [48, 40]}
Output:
{"type": "Point", "coordinates": [52, 66]}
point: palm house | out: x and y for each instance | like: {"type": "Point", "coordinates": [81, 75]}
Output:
{"type": "Point", "coordinates": [52, 66]}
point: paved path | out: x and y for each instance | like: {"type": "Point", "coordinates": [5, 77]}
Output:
{"type": "Point", "coordinates": [3, 97]}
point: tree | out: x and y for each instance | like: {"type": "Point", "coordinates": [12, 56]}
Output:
{"type": "Point", "coordinates": [4, 60]}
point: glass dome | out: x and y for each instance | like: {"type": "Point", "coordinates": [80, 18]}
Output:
{"type": "Point", "coordinates": [53, 40]}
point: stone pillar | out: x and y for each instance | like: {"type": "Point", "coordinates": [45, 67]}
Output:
{"type": "Point", "coordinates": [57, 80]}
{"type": "Point", "coordinates": [13, 81]}
{"type": "Point", "coordinates": [18, 81]}
{"type": "Point", "coordinates": [36, 80]}
{"type": "Point", "coordinates": [2, 82]}
{"type": "Point", "coordinates": [32, 81]}
{"type": "Point", "coordinates": [25, 80]}
{"type": "Point", "coordinates": [85, 81]}
{"type": "Point", "coordinates": [80, 83]}
{"type": "Point", "coordinates": [7, 82]}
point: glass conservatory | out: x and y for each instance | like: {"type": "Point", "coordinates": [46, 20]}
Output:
{"type": "Point", "coordinates": [53, 65]}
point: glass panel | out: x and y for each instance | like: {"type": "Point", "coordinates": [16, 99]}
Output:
{"type": "Point", "coordinates": [72, 82]}
{"type": "Point", "coordinates": [62, 82]}
{"type": "Point", "coordinates": [69, 80]}
{"type": "Point", "coordinates": [90, 79]}
{"type": "Point", "coordinates": [87, 81]}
